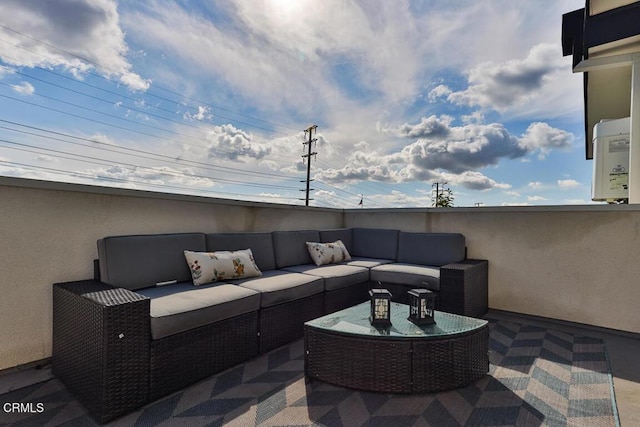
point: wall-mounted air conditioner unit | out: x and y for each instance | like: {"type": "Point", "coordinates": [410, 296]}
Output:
{"type": "Point", "coordinates": [611, 160]}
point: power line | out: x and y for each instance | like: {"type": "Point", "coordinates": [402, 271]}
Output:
{"type": "Point", "coordinates": [129, 181]}
{"type": "Point", "coordinates": [103, 122]}
{"type": "Point", "coordinates": [110, 147]}
{"type": "Point", "coordinates": [132, 108]}
{"type": "Point", "coordinates": [129, 108]}
{"type": "Point", "coordinates": [123, 148]}
{"type": "Point", "coordinates": [97, 161]}
{"type": "Point", "coordinates": [375, 202]}
{"type": "Point", "coordinates": [149, 93]}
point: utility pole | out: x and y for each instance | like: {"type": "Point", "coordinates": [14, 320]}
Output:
{"type": "Point", "coordinates": [310, 130]}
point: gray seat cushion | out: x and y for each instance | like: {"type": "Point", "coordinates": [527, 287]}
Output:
{"type": "Point", "coordinates": [277, 286]}
{"type": "Point", "coordinates": [140, 261]}
{"type": "Point", "coordinates": [290, 247]}
{"type": "Point", "coordinates": [336, 276]}
{"type": "Point", "coordinates": [261, 245]}
{"type": "Point", "coordinates": [367, 262]}
{"type": "Point", "coordinates": [374, 243]}
{"type": "Point", "coordinates": [408, 274]}
{"type": "Point", "coordinates": [181, 307]}
{"type": "Point", "coordinates": [435, 249]}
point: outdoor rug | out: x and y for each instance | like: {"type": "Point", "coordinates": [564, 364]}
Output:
{"type": "Point", "coordinates": [537, 377]}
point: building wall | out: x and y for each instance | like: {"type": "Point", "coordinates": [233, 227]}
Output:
{"type": "Point", "coordinates": [571, 263]}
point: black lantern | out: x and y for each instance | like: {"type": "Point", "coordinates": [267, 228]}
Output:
{"type": "Point", "coordinates": [380, 307]}
{"type": "Point", "coordinates": [422, 304]}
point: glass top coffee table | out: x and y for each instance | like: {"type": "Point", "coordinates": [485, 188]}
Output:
{"type": "Point", "coordinates": [344, 349]}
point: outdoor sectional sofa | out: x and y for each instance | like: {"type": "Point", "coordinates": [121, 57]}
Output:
{"type": "Point", "coordinates": [141, 329]}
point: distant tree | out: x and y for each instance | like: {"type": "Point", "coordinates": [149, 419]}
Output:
{"type": "Point", "coordinates": [444, 199]}
{"type": "Point", "coordinates": [443, 196]}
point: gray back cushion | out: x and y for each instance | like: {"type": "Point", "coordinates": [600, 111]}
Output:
{"type": "Point", "coordinates": [261, 245]}
{"type": "Point", "coordinates": [330, 236]}
{"type": "Point", "coordinates": [290, 247]}
{"type": "Point", "coordinates": [136, 262]}
{"type": "Point", "coordinates": [374, 243]}
{"type": "Point", "coordinates": [435, 249]}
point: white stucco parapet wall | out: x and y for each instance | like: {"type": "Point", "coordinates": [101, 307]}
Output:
{"type": "Point", "coordinates": [575, 263]}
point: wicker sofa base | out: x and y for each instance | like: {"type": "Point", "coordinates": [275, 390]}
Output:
{"type": "Point", "coordinates": [101, 346]}
{"type": "Point", "coordinates": [345, 297]}
{"type": "Point", "coordinates": [182, 359]}
{"type": "Point", "coordinates": [283, 323]}
{"type": "Point", "coordinates": [463, 288]}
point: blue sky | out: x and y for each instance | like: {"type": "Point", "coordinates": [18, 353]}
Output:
{"type": "Point", "coordinates": [211, 98]}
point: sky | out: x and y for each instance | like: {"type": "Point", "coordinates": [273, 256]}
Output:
{"type": "Point", "coordinates": [213, 98]}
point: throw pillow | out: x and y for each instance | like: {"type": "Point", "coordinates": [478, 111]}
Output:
{"type": "Point", "coordinates": [328, 253]}
{"type": "Point", "coordinates": [207, 267]}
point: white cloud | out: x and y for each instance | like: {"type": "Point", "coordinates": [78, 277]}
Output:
{"type": "Point", "coordinates": [395, 198]}
{"type": "Point", "coordinates": [536, 198]}
{"type": "Point", "coordinates": [24, 88]}
{"type": "Point", "coordinates": [429, 127]}
{"type": "Point", "coordinates": [535, 185]}
{"type": "Point", "coordinates": [134, 81]}
{"type": "Point", "coordinates": [183, 177]}
{"type": "Point", "coordinates": [45, 158]}
{"type": "Point", "coordinates": [475, 117]}
{"type": "Point", "coordinates": [464, 148]}
{"type": "Point", "coordinates": [515, 204]}
{"type": "Point", "coordinates": [202, 114]}
{"type": "Point", "coordinates": [442, 151]}
{"type": "Point", "coordinates": [474, 180]}
{"type": "Point", "coordinates": [537, 86]}
{"type": "Point", "coordinates": [102, 138]}
{"type": "Point", "coordinates": [543, 138]}
{"type": "Point", "coordinates": [5, 71]}
{"type": "Point", "coordinates": [501, 85]}
{"type": "Point", "coordinates": [74, 35]}
{"type": "Point", "coordinates": [440, 91]}
{"type": "Point", "coordinates": [228, 142]}
{"type": "Point", "coordinates": [567, 184]}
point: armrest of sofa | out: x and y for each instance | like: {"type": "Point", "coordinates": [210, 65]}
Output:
{"type": "Point", "coordinates": [101, 339]}
{"type": "Point", "coordinates": [464, 287]}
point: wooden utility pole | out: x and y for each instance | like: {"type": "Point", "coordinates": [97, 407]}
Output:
{"type": "Point", "coordinates": [310, 130]}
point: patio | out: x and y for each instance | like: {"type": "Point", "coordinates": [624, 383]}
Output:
{"type": "Point", "coordinates": [514, 393]}
{"type": "Point", "coordinates": [570, 263]}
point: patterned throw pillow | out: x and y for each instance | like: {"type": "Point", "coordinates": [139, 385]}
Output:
{"type": "Point", "coordinates": [207, 267]}
{"type": "Point", "coordinates": [328, 253]}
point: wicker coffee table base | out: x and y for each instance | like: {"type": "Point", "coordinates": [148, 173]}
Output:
{"type": "Point", "coordinates": [393, 365]}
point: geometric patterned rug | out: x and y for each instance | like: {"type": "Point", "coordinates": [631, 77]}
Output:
{"type": "Point", "coordinates": [537, 377]}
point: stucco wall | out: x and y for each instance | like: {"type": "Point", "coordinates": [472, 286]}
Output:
{"type": "Point", "coordinates": [572, 263]}
{"type": "Point", "coordinates": [575, 263]}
